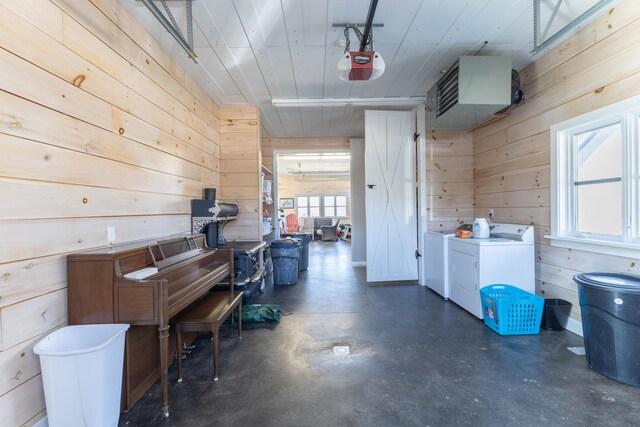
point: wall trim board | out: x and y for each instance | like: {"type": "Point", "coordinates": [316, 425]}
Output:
{"type": "Point", "coordinates": [42, 422]}
{"type": "Point", "coordinates": [574, 326]}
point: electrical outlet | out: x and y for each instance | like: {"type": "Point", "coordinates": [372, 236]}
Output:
{"type": "Point", "coordinates": [111, 234]}
{"type": "Point", "coordinates": [491, 213]}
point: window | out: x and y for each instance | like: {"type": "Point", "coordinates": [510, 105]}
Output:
{"type": "Point", "coordinates": [335, 205]}
{"type": "Point", "coordinates": [308, 206]}
{"type": "Point", "coordinates": [595, 181]}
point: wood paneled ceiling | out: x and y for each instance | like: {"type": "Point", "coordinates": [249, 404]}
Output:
{"type": "Point", "coordinates": [251, 51]}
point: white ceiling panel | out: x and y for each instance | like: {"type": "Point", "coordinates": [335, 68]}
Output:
{"type": "Point", "coordinates": [286, 81]}
{"type": "Point", "coordinates": [311, 120]}
{"type": "Point", "coordinates": [253, 51]}
{"type": "Point", "coordinates": [435, 18]}
{"type": "Point", "coordinates": [228, 28]}
{"type": "Point", "coordinates": [415, 60]}
{"type": "Point", "coordinates": [210, 62]}
{"type": "Point", "coordinates": [270, 115]}
{"type": "Point", "coordinates": [247, 64]}
{"type": "Point", "coordinates": [310, 75]}
{"type": "Point", "coordinates": [314, 20]}
{"type": "Point", "coordinates": [270, 20]}
{"type": "Point", "coordinates": [292, 119]}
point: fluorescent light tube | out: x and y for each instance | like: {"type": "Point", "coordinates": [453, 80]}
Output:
{"type": "Point", "coordinates": [344, 102]}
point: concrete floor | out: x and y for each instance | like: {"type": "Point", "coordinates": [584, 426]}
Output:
{"type": "Point", "coordinates": [415, 361]}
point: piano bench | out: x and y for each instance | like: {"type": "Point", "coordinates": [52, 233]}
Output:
{"type": "Point", "coordinates": [207, 315]}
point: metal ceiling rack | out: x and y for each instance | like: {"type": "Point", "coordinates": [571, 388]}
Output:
{"type": "Point", "coordinates": [171, 25]}
{"type": "Point", "coordinates": [542, 42]}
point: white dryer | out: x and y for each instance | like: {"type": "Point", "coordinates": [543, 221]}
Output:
{"type": "Point", "coordinates": [437, 264]}
{"type": "Point", "coordinates": [506, 257]}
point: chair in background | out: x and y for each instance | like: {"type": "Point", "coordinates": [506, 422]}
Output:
{"type": "Point", "coordinates": [345, 232]}
{"type": "Point", "coordinates": [292, 222]}
{"type": "Point", "coordinates": [327, 233]}
{"type": "Point", "coordinates": [307, 225]}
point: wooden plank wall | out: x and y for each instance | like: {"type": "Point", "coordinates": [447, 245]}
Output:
{"type": "Point", "coordinates": [598, 66]}
{"type": "Point", "coordinates": [241, 172]}
{"type": "Point", "coordinates": [292, 186]}
{"type": "Point", "coordinates": [99, 127]}
{"type": "Point", "coordinates": [269, 145]}
{"type": "Point", "coordinates": [449, 179]}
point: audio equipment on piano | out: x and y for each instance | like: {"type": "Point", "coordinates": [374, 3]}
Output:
{"type": "Point", "coordinates": [210, 218]}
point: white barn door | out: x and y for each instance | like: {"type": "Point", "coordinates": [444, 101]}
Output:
{"type": "Point", "coordinates": [390, 171]}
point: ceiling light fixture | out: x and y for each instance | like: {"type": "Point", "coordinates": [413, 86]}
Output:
{"type": "Point", "coordinates": [347, 102]}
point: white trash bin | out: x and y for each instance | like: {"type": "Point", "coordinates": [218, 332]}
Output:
{"type": "Point", "coordinates": [82, 374]}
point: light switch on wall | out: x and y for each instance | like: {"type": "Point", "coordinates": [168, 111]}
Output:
{"type": "Point", "coordinates": [111, 234]}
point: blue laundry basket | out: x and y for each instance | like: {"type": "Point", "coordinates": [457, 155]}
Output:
{"type": "Point", "coordinates": [511, 311]}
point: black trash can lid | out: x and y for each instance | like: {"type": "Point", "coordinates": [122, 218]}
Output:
{"type": "Point", "coordinates": [609, 280]}
{"type": "Point", "coordinates": [285, 243]}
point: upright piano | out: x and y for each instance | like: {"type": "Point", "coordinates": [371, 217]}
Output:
{"type": "Point", "coordinates": [175, 273]}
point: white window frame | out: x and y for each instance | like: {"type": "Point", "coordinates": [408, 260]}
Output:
{"type": "Point", "coordinates": [335, 195]}
{"type": "Point", "coordinates": [322, 206]}
{"type": "Point", "coordinates": [307, 196]}
{"type": "Point", "coordinates": [563, 214]}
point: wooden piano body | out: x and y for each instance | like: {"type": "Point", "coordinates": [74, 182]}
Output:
{"type": "Point", "coordinates": [98, 292]}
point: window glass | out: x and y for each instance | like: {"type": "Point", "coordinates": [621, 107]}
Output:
{"type": "Point", "coordinates": [314, 211]}
{"type": "Point", "coordinates": [599, 208]}
{"type": "Point", "coordinates": [599, 153]}
{"type": "Point", "coordinates": [329, 211]}
{"type": "Point", "coordinates": [314, 201]}
{"type": "Point", "coordinates": [341, 211]}
{"type": "Point", "coordinates": [341, 201]}
{"type": "Point", "coordinates": [302, 201]}
{"type": "Point", "coordinates": [328, 201]}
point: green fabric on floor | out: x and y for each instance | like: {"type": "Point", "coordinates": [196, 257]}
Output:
{"type": "Point", "coordinates": [257, 313]}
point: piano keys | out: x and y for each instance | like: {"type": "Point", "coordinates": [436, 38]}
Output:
{"type": "Point", "coordinates": [99, 292]}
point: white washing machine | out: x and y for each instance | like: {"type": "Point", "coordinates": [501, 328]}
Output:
{"type": "Point", "coordinates": [506, 257]}
{"type": "Point", "coordinates": [437, 255]}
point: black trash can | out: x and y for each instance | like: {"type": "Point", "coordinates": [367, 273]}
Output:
{"type": "Point", "coordinates": [285, 255]}
{"type": "Point", "coordinates": [610, 305]}
{"type": "Point", "coordinates": [555, 314]}
{"type": "Point", "coordinates": [305, 239]}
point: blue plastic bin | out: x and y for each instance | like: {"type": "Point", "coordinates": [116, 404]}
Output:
{"type": "Point", "coordinates": [285, 255]}
{"type": "Point", "coordinates": [511, 311]}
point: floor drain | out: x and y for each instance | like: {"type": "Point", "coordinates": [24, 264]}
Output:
{"type": "Point", "coordinates": [341, 350]}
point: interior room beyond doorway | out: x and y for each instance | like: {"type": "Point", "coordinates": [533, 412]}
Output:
{"type": "Point", "coordinates": [312, 190]}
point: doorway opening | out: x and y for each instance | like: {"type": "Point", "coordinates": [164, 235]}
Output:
{"type": "Point", "coordinates": [313, 193]}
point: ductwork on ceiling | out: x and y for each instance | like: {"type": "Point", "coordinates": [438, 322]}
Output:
{"type": "Point", "coordinates": [471, 91]}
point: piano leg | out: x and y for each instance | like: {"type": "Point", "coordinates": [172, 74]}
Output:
{"type": "Point", "coordinates": [164, 367]}
{"type": "Point", "coordinates": [179, 351]}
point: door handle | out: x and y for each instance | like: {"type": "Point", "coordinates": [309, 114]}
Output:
{"type": "Point", "coordinates": [371, 186]}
